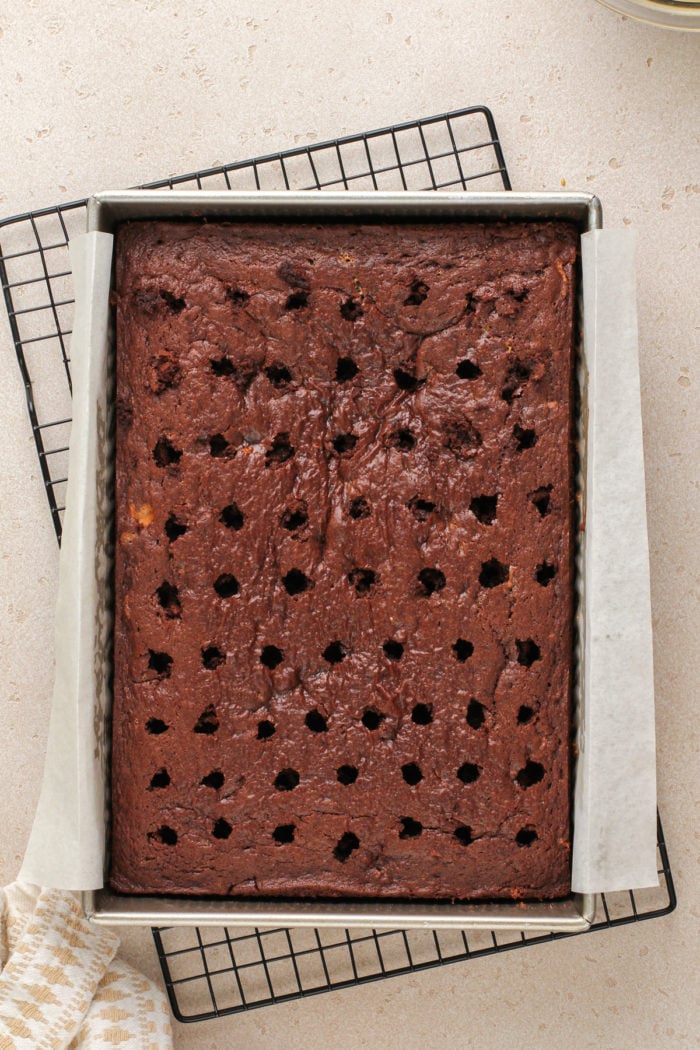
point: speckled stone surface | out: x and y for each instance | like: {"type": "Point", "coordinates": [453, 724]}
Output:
{"type": "Point", "coordinates": [110, 97]}
{"type": "Point", "coordinates": [343, 562]}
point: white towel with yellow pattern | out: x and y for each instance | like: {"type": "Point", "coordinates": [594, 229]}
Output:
{"type": "Point", "coordinates": [61, 985]}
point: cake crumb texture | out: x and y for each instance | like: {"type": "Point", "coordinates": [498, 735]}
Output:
{"type": "Point", "coordinates": [344, 598]}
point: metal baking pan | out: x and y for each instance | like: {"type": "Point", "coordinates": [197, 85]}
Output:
{"type": "Point", "coordinates": [572, 914]}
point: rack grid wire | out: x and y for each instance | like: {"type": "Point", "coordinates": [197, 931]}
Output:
{"type": "Point", "coordinates": [213, 972]}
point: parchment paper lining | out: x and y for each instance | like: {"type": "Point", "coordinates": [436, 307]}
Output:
{"type": "Point", "coordinates": [615, 792]}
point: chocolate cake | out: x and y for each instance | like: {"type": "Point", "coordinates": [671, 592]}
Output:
{"type": "Point", "coordinates": [344, 598]}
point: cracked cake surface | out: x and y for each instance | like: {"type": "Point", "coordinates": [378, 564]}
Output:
{"type": "Point", "coordinates": [343, 570]}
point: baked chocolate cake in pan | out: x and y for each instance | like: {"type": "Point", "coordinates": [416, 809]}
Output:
{"type": "Point", "coordinates": [344, 596]}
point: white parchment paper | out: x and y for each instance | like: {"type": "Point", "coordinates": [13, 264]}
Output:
{"type": "Point", "coordinates": [67, 842]}
{"type": "Point", "coordinates": [615, 794]}
{"type": "Point", "coordinates": [615, 800]}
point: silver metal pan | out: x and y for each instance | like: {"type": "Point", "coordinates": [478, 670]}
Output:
{"type": "Point", "coordinates": [573, 914]}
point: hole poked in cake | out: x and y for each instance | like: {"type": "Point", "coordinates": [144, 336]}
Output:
{"type": "Point", "coordinates": [213, 657]}
{"type": "Point", "coordinates": [344, 443]}
{"type": "Point", "coordinates": [207, 723]}
{"type": "Point", "coordinates": [545, 573]}
{"type": "Point", "coordinates": [362, 580]}
{"type": "Point", "coordinates": [463, 834]}
{"type": "Point", "coordinates": [421, 509]}
{"type": "Point", "coordinates": [266, 729]}
{"type": "Point", "coordinates": [372, 719]}
{"type": "Point", "coordinates": [174, 528]}
{"type": "Point", "coordinates": [541, 498]}
{"type": "Point", "coordinates": [525, 714]}
{"type": "Point", "coordinates": [359, 508]}
{"type": "Point", "coordinates": [467, 369]}
{"type": "Point", "coordinates": [476, 714]}
{"type": "Point", "coordinates": [401, 439]}
{"type": "Point", "coordinates": [525, 437]}
{"type": "Point", "coordinates": [346, 774]}
{"type": "Point", "coordinates": [237, 296]}
{"type": "Point", "coordinates": [418, 293]}
{"type": "Point", "coordinates": [156, 726]}
{"type": "Point", "coordinates": [468, 772]}
{"type": "Point", "coordinates": [161, 663]}
{"type": "Point", "coordinates": [517, 375]}
{"type": "Point", "coordinates": [298, 300]}
{"type": "Point", "coordinates": [345, 370]}
{"type": "Point", "coordinates": [493, 573]}
{"type": "Point", "coordinates": [280, 451]}
{"type": "Point", "coordinates": [218, 446]}
{"type": "Point", "coordinates": [347, 844]}
{"type": "Point", "coordinates": [335, 653]}
{"type": "Point", "coordinates": [294, 518]}
{"type": "Point", "coordinates": [278, 375]}
{"type": "Point", "coordinates": [173, 302]}
{"type": "Point", "coordinates": [284, 833]}
{"type": "Point", "coordinates": [287, 780]}
{"type": "Point", "coordinates": [165, 454]}
{"type": "Point", "coordinates": [351, 309]}
{"type": "Point", "coordinates": [531, 773]}
{"type": "Point", "coordinates": [484, 509]}
{"type": "Point", "coordinates": [160, 779]}
{"type": "Point", "coordinates": [393, 650]}
{"type": "Point", "coordinates": [412, 773]}
{"type": "Point", "coordinates": [221, 829]}
{"type": "Point", "coordinates": [422, 714]}
{"type": "Point", "coordinates": [168, 597]}
{"type": "Point", "coordinates": [222, 366]}
{"type": "Point", "coordinates": [165, 835]}
{"type": "Point", "coordinates": [526, 836]}
{"type": "Point", "coordinates": [296, 582]}
{"type": "Point", "coordinates": [226, 585]}
{"type": "Point", "coordinates": [232, 517]}
{"type": "Point", "coordinates": [271, 656]}
{"type": "Point", "coordinates": [214, 780]}
{"type": "Point", "coordinates": [430, 581]}
{"type": "Point", "coordinates": [315, 721]}
{"type": "Point", "coordinates": [410, 828]}
{"type": "Point", "coordinates": [528, 651]}
{"type": "Point", "coordinates": [462, 438]}
{"type": "Point", "coordinates": [462, 650]}
{"type": "Point", "coordinates": [407, 381]}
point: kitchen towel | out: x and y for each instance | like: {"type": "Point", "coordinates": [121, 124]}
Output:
{"type": "Point", "coordinates": [61, 985]}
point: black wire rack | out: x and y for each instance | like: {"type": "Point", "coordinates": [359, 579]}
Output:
{"type": "Point", "coordinates": [452, 151]}
{"type": "Point", "coordinates": [212, 972]}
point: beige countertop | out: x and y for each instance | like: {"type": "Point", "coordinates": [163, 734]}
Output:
{"type": "Point", "coordinates": [105, 96]}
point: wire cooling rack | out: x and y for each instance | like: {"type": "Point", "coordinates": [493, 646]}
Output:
{"type": "Point", "coordinates": [212, 972]}
{"type": "Point", "coordinates": [452, 151]}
